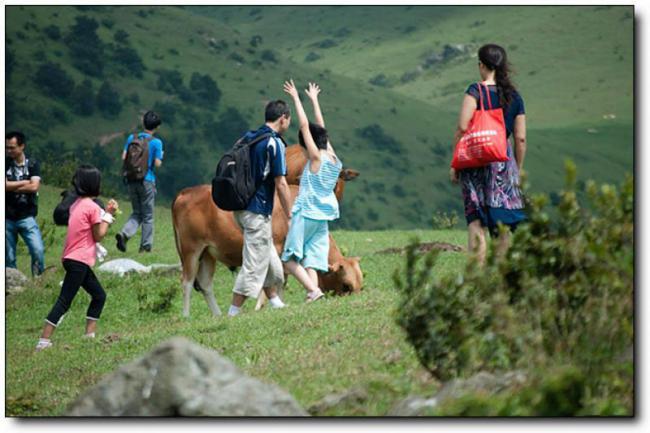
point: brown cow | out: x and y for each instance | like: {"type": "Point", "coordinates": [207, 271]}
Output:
{"type": "Point", "coordinates": [206, 234]}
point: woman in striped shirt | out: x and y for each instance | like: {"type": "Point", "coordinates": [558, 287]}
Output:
{"type": "Point", "coordinates": [307, 245]}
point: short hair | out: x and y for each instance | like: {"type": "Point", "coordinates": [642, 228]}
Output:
{"type": "Point", "coordinates": [19, 136]}
{"type": "Point", "coordinates": [276, 109]}
{"type": "Point", "coordinates": [87, 181]}
{"type": "Point", "coordinates": [318, 133]}
{"type": "Point", "coordinates": [151, 120]}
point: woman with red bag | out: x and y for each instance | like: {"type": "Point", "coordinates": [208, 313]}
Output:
{"type": "Point", "coordinates": [491, 192]}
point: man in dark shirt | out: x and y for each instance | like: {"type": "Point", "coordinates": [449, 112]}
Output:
{"type": "Point", "coordinates": [261, 266]}
{"type": "Point", "coordinates": [23, 178]}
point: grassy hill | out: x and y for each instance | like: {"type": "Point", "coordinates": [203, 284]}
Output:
{"type": "Point", "coordinates": [392, 80]}
{"type": "Point", "coordinates": [311, 350]}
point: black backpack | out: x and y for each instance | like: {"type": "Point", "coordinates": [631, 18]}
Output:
{"type": "Point", "coordinates": [61, 213]}
{"type": "Point", "coordinates": [136, 163]}
{"type": "Point", "coordinates": [233, 185]}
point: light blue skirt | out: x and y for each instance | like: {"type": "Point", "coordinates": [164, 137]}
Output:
{"type": "Point", "coordinates": [307, 242]}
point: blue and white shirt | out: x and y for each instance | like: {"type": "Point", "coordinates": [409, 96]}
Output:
{"type": "Point", "coordinates": [268, 162]}
{"type": "Point", "coordinates": [316, 199]}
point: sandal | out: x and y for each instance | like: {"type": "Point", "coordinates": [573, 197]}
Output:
{"type": "Point", "coordinates": [319, 295]}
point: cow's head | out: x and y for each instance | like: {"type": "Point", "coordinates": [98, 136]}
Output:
{"type": "Point", "coordinates": [344, 276]}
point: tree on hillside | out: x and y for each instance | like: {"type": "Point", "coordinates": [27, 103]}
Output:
{"type": "Point", "coordinates": [121, 37]}
{"type": "Point", "coordinates": [86, 49]}
{"type": "Point", "coordinates": [108, 100]}
{"type": "Point", "coordinates": [83, 99]}
{"type": "Point", "coordinates": [230, 126]}
{"type": "Point", "coordinates": [170, 81]}
{"type": "Point", "coordinates": [53, 80]}
{"type": "Point", "coordinates": [53, 32]}
{"type": "Point", "coordinates": [129, 60]}
{"type": "Point", "coordinates": [10, 62]}
{"type": "Point", "coordinates": [205, 90]}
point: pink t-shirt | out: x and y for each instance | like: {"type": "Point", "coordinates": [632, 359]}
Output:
{"type": "Point", "coordinates": [79, 241]}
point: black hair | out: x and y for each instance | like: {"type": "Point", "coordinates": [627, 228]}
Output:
{"type": "Point", "coordinates": [318, 133]}
{"type": "Point", "coordinates": [276, 109]}
{"type": "Point", "coordinates": [494, 58]}
{"type": "Point", "coordinates": [19, 136]}
{"type": "Point", "coordinates": [87, 181]}
{"type": "Point", "coordinates": [151, 120]}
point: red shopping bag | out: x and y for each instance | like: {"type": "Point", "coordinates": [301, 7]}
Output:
{"type": "Point", "coordinates": [485, 140]}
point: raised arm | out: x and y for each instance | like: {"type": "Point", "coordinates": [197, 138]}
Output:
{"type": "Point", "coordinates": [312, 151]}
{"type": "Point", "coordinates": [313, 92]}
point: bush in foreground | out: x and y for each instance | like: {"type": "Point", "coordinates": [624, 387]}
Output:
{"type": "Point", "coordinates": [563, 295]}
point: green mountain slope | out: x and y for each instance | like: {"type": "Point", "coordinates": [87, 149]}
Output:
{"type": "Point", "coordinates": [574, 65]}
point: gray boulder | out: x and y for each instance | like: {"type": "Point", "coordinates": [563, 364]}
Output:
{"type": "Point", "coordinates": [181, 378]}
{"type": "Point", "coordinates": [15, 281]}
{"type": "Point", "coordinates": [481, 382]}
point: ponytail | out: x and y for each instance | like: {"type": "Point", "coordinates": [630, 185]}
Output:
{"type": "Point", "coordinates": [494, 58]}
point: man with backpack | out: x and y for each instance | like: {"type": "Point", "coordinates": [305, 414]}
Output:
{"type": "Point", "coordinates": [264, 168]}
{"type": "Point", "coordinates": [142, 154]}
{"type": "Point", "coordinates": [22, 181]}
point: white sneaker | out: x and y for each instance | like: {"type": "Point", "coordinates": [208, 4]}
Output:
{"type": "Point", "coordinates": [276, 302]}
{"type": "Point", "coordinates": [43, 344]}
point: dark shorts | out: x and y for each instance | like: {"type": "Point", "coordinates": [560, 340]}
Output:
{"type": "Point", "coordinates": [491, 219]}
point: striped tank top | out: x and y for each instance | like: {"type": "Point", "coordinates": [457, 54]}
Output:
{"type": "Point", "coordinates": [316, 199]}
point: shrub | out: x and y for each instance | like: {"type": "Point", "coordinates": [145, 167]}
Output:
{"type": "Point", "coordinates": [129, 60]}
{"type": "Point", "coordinates": [86, 49]}
{"type": "Point", "coordinates": [312, 57]}
{"type": "Point", "coordinates": [83, 99]}
{"type": "Point", "coordinates": [53, 32]}
{"type": "Point", "coordinates": [153, 300]}
{"type": "Point", "coordinates": [53, 80]}
{"type": "Point", "coordinates": [561, 294]}
{"type": "Point", "coordinates": [376, 135]}
{"type": "Point", "coordinates": [269, 56]}
{"type": "Point", "coordinates": [121, 37]}
{"type": "Point", "coordinates": [205, 90]}
{"type": "Point", "coordinates": [445, 221]}
{"type": "Point", "coordinates": [108, 100]}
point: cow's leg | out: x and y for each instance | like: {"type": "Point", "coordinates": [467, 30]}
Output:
{"type": "Point", "coordinates": [205, 278]}
{"type": "Point", "coordinates": [190, 269]}
{"type": "Point", "coordinates": [261, 300]}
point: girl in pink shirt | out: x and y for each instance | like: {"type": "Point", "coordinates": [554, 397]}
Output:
{"type": "Point", "coordinates": [87, 225]}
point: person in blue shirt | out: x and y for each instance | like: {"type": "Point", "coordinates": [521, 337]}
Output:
{"type": "Point", "coordinates": [261, 265]}
{"type": "Point", "coordinates": [143, 193]}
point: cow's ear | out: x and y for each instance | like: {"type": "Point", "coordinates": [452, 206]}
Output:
{"type": "Point", "coordinates": [355, 259]}
{"type": "Point", "coordinates": [348, 174]}
{"type": "Point", "coordinates": [334, 267]}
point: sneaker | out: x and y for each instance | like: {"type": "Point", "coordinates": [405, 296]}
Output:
{"type": "Point", "coordinates": [314, 296]}
{"type": "Point", "coordinates": [43, 344]}
{"type": "Point", "coordinates": [121, 242]}
{"type": "Point", "coordinates": [145, 250]}
{"type": "Point", "coordinates": [91, 335]}
{"type": "Point", "coordinates": [277, 303]}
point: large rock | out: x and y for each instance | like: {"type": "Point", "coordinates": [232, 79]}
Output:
{"type": "Point", "coordinates": [181, 378]}
{"type": "Point", "coordinates": [481, 382]}
{"type": "Point", "coordinates": [15, 281]}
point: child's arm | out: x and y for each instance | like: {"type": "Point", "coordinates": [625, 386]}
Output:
{"type": "Point", "coordinates": [312, 151]}
{"type": "Point", "coordinates": [101, 228]}
{"type": "Point", "coordinates": [313, 92]}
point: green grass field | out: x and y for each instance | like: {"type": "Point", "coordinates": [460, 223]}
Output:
{"type": "Point", "coordinates": [309, 350]}
{"type": "Point", "coordinates": [574, 68]}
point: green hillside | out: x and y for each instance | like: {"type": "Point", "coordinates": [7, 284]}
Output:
{"type": "Point", "coordinates": [392, 80]}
